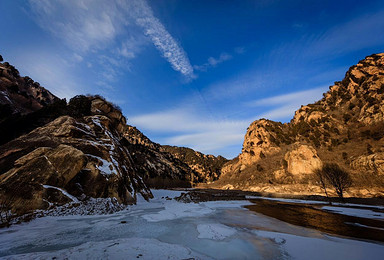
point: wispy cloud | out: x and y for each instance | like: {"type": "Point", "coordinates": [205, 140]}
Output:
{"type": "Point", "coordinates": [51, 71]}
{"type": "Point", "coordinates": [169, 48]}
{"type": "Point", "coordinates": [88, 26]}
{"type": "Point", "coordinates": [81, 24]}
{"type": "Point", "coordinates": [295, 97]}
{"type": "Point", "coordinates": [132, 46]}
{"type": "Point", "coordinates": [213, 62]}
{"type": "Point", "coordinates": [363, 32]}
{"type": "Point", "coordinates": [240, 50]}
{"type": "Point", "coordinates": [189, 128]}
{"type": "Point", "coordinates": [283, 106]}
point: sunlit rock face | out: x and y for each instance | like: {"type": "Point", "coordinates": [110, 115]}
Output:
{"type": "Point", "coordinates": [302, 159]}
{"type": "Point", "coordinates": [344, 127]}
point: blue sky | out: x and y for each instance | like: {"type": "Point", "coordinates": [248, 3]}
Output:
{"type": "Point", "coordinates": [192, 73]}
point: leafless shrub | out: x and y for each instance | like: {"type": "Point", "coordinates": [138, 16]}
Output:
{"type": "Point", "coordinates": [5, 210]}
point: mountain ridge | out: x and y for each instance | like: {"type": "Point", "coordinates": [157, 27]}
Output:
{"type": "Point", "coordinates": [345, 126]}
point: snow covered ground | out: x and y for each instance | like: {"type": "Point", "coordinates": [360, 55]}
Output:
{"type": "Point", "coordinates": [167, 229]}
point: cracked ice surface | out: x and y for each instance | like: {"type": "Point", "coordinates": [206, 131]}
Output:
{"type": "Point", "coordinates": [164, 229]}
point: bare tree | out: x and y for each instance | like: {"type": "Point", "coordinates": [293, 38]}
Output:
{"type": "Point", "coordinates": [338, 178]}
{"type": "Point", "coordinates": [321, 179]}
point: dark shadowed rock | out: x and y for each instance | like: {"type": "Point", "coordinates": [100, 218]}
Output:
{"type": "Point", "coordinates": [20, 95]}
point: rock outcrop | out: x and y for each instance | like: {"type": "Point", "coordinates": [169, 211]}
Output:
{"type": "Point", "coordinates": [345, 127]}
{"type": "Point", "coordinates": [373, 162]}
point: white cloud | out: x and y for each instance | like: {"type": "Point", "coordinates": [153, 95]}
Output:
{"type": "Point", "coordinates": [208, 142]}
{"type": "Point", "coordinates": [191, 129]}
{"type": "Point", "coordinates": [213, 62]}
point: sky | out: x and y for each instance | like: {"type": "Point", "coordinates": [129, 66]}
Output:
{"type": "Point", "coordinates": [188, 72]}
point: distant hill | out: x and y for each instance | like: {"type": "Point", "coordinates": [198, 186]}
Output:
{"type": "Point", "coordinates": [207, 167]}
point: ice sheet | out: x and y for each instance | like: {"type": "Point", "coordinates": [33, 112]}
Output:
{"type": "Point", "coordinates": [128, 248]}
{"type": "Point", "coordinates": [331, 248]}
{"type": "Point", "coordinates": [315, 202]}
{"type": "Point", "coordinates": [165, 228]}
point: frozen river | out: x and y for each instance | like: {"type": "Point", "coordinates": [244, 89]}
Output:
{"type": "Point", "coordinates": [167, 229]}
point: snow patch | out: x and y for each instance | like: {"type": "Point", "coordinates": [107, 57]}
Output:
{"type": "Point", "coordinates": [364, 226]}
{"type": "Point", "coordinates": [287, 200]}
{"type": "Point", "coordinates": [298, 247]}
{"type": "Point", "coordinates": [362, 213]}
{"type": "Point", "coordinates": [6, 96]}
{"type": "Point", "coordinates": [215, 231]}
{"type": "Point", "coordinates": [96, 121]}
{"type": "Point", "coordinates": [106, 168]}
{"type": "Point", "coordinates": [73, 198]}
{"type": "Point", "coordinates": [127, 248]}
{"type": "Point", "coordinates": [92, 206]}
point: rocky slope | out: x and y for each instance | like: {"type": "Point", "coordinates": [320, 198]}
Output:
{"type": "Point", "coordinates": [20, 95]}
{"type": "Point", "coordinates": [158, 168]}
{"type": "Point", "coordinates": [206, 168]}
{"type": "Point", "coordinates": [346, 126]}
{"type": "Point", "coordinates": [81, 156]}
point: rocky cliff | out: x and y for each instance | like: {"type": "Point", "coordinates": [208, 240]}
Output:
{"type": "Point", "coordinates": [206, 168]}
{"type": "Point", "coordinates": [346, 126]}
